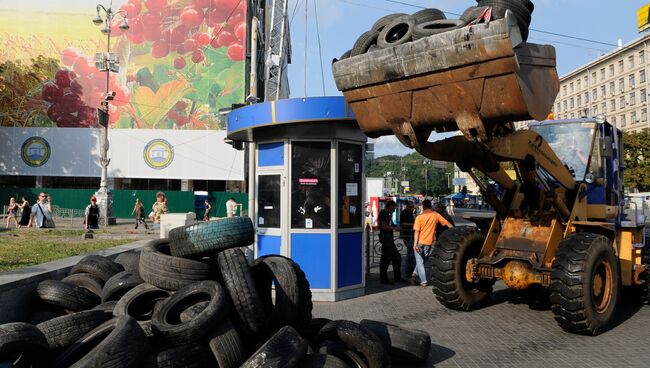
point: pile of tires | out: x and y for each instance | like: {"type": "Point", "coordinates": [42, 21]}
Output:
{"type": "Point", "coordinates": [193, 300]}
{"type": "Point", "coordinates": [399, 28]}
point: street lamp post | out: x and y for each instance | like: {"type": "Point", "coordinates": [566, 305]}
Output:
{"type": "Point", "coordinates": [106, 62]}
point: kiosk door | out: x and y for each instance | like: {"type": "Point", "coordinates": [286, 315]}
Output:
{"type": "Point", "coordinates": [270, 218]}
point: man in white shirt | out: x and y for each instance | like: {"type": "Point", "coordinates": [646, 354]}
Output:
{"type": "Point", "coordinates": [231, 207]}
{"type": "Point", "coordinates": [41, 210]}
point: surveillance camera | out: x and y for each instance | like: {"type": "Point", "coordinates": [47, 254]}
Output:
{"type": "Point", "coordinates": [110, 96]}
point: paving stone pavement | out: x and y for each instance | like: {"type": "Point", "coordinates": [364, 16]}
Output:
{"type": "Point", "coordinates": [513, 330]}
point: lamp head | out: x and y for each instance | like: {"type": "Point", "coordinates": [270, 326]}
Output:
{"type": "Point", "coordinates": [98, 20]}
{"type": "Point", "coordinates": [125, 24]}
{"type": "Point", "coordinates": [106, 29]}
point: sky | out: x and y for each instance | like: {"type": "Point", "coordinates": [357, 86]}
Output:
{"type": "Point", "coordinates": [340, 22]}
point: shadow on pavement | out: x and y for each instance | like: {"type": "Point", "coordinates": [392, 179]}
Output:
{"type": "Point", "coordinates": [437, 354]}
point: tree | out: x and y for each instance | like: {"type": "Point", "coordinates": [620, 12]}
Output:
{"type": "Point", "coordinates": [636, 153]}
{"type": "Point", "coordinates": [414, 168]}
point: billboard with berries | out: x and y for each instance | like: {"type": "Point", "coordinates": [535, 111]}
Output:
{"type": "Point", "coordinates": [181, 61]}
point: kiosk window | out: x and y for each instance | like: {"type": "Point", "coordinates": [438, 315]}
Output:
{"type": "Point", "coordinates": [350, 173]}
{"type": "Point", "coordinates": [268, 202]}
{"type": "Point", "coordinates": [310, 185]}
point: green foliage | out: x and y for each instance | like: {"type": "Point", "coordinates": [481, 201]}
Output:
{"type": "Point", "coordinates": [637, 160]}
{"type": "Point", "coordinates": [415, 168]}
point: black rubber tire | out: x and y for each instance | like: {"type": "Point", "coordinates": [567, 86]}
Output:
{"type": "Point", "coordinates": [193, 311]}
{"type": "Point", "coordinates": [63, 331]}
{"type": "Point", "coordinates": [159, 268]}
{"type": "Point", "coordinates": [226, 346]}
{"type": "Point", "coordinates": [118, 343]}
{"type": "Point", "coordinates": [406, 343]}
{"type": "Point", "coordinates": [427, 29]}
{"type": "Point", "coordinates": [340, 350]}
{"type": "Point", "coordinates": [428, 15]}
{"type": "Point", "coordinates": [140, 303]}
{"type": "Point", "coordinates": [209, 238]}
{"type": "Point", "coordinates": [166, 323]}
{"type": "Point", "coordinates": [41, 316]}
{"type": "Point", "coordinates": [321, 361]}
{"type": "Point", "coordinates": [572, 284]}
{"type": "Point", "coordinates": [107, 308]}
{"type": "Point", "coordinates": [385, 20]}
{"type": "Point", "coordinates": [346, 55]}
{"type": "Point", "coordinates": [518, 8]}
{"type": "Point", "coordinates": [311, 331]}
{"type": "Point", "coordinates": [239, 282]}
{"type": "Point", "coordinates": [186, 356]}
{"type": "Point", "coordinates": [130, 261]}
{"type": "Point", "coordinates": [284, 349]}
{"type": "Point", "coordinates": [119, 284]}
{"type": "Point", "coordinates": [363, 43]}
{"type": "Point", "coordinates": [99, 266]}
{"type": "Point", "coordinates": [397, 32]}
{"type": "Point", "coordinates": [358, 338]}
{"type": "Point", "coordinates": [471, 13]}
{"type": "Point", "coordinates": [22, 342]}
{"type": "Point", "coordinates": [448, 259]}
{"type": "Point", "coordinates": [67, 296]}
{"type": "Point", "coordinates": [293, 305]}
{"type": "Point", "coordinates": [86, 281]}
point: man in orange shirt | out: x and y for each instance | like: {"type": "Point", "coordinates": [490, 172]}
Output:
{"type": "Point", "coordinates": [425, 233]}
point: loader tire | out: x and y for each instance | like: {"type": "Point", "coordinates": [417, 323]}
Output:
{"type": "Point", "coordinates": [209, 238]}
{"type": "Point", "coordinates": [398, 32]}
{"type": "Point", "coordinates": [585, 284]}
{"type": "Point", "coordinates": [449, 257]}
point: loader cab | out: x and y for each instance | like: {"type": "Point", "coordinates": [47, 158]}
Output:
{"type": "Point", "coordinates": [589, 148]}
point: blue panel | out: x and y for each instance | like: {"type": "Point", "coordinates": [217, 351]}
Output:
{"type": "Point", "coordinates": [249, 116]}
{"type": "Point", "coordinates": [268, 244]}
{"type": "Point", "coordinates": [315, 108]}
{"type": "Point", "coordinates": [312, 252]}
{"type": "Point", "coordinates": [349, 258]}
{"type": "Point", "coordinates": [271, 154]}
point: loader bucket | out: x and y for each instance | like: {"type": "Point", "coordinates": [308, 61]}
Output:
{"type": "Point", "coordinates": [471, 79]}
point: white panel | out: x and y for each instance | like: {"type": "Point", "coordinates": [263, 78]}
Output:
{"type": "Point", "coordinates": [200, 155]}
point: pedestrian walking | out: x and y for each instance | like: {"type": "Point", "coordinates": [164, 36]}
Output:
{"type": "Point", "coordinates": [42, 212]}
{"type": "Point", "coordinates": [406, 220]}
{"type": "Point", "coordinates": [138, 213]}
{"type": "Point", "coordinates": [425, 234]}
{"type": "Point", "coordinates": [91, 220]}
{"type": "Point", "coordinates": [12, 212]}
{"type": "Point", "coordinates": [450, 209]}
{"type": "Point", "coordinates": [389, 252]}
{"type": "Point", "coordinates": [159, 208]}
{"type": "Point", "coordinates": [208, 207]}
{"type": "Point", "coordinates": [231, 207]}
{"type": "Point", "coordinates": [25, 212]}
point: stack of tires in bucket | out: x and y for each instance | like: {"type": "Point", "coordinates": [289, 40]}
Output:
{"type": "Point", "coordinates": [397, 29]}
{"type": "Point", "coordinates": [193, 300]}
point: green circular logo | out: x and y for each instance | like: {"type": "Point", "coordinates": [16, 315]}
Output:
{"type": "Point", "coordinates": [35, 151]}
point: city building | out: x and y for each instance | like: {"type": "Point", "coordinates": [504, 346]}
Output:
{"type": "Point", "coordinates": [614, 85]}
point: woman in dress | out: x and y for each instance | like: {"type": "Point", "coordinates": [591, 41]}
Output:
{"type": "Point", "coordinates": [13, 212]}
{"type": "Point", "coordinates": [25, 212]}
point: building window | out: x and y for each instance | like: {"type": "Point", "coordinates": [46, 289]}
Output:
{"type": "Point", "coordinates": [558, 108]}
{"type": "Point", "coordinates": [587, 97]}
{"type": "Point", "coordinates": [630, 61]}
{"type": "Point", "coordinates": [612, 105]}
{"type": "Point", "coordinates": [644, 96]}
{"type": "Point", "coordinates": [310, 187]}
{"type": "Point", "coordinates": [622, 102]}
{"type": "Point", "coordinates": [350, 158]}
{"type": "Point", "coordinates": [571, 104]}
{"type": "Point", "coordinates": [603, 107]}
{"type": "Point", "coordinates": [612, 88]}
{"type": "Point", "coordinates": [593, 78]}
{"type": "Point", "coordinates": [633, 118]}
{"type": "Point", "coordinates": [586, 82]}
{"type": "Point", "coordinates": [603, 91]}
{"type": "Point", "coordinates": [632, 98]}
{"type": "Point", "coordinates": [595, 110]}
{"type": "Point", "coordinates": [564, 90]}
{"type": "Point", "coordinates": [602, 74]}
{"type": "Point", "coordinates": [621, 84]}
{"type": "Point", "coordinates": [579, 101]}
{"type": "Point", "coordinates": [268, 202]}
{"type": "Point", "coordinates": [623, 122]}
{"type": "Point", "coordinates": [579, 84]}
{"type": "Point", "coordinates": [565, 105]}
{"type": "Point", "coordinates": [613, 121]}
{"type": "Point", "coordinates": [594, 92]}
{"type": "Point", "coordinates": [620, 66]}
{"type": "Point", "coordinates": [611, 70]}
{"type": "Point", "coordinates": [632, 81]}
{"type": "Point", "coordinates": [641, 57]}
{"type": "Point", "coordinates": [571, 87]}
{"type": "Point", "coordinates": [642, 76]}
{"type": "Point", "coordinates": [644, 114]}
{"type": "Point", "coordinates": [573, 115]}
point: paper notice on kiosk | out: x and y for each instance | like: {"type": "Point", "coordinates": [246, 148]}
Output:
{"type": "Point", "coordinates": [351, 189]}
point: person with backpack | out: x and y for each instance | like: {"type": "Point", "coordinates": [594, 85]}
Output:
{"type": "Point", "coordinates": [42, 212]}
{"type": "Point", "coordinates": [138, 212]}
{"type": "Point", "coordinates": [92, 215]}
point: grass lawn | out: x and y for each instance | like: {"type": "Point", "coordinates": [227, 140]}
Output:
{"type": "Point", "coordinates": [26, 247]}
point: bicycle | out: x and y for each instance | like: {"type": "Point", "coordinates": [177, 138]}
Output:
{"type": "Point", "coordinates": [400, 244]}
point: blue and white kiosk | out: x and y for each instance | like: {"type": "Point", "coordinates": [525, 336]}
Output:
{"type": "Point", "coordinates": [306, 200]}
